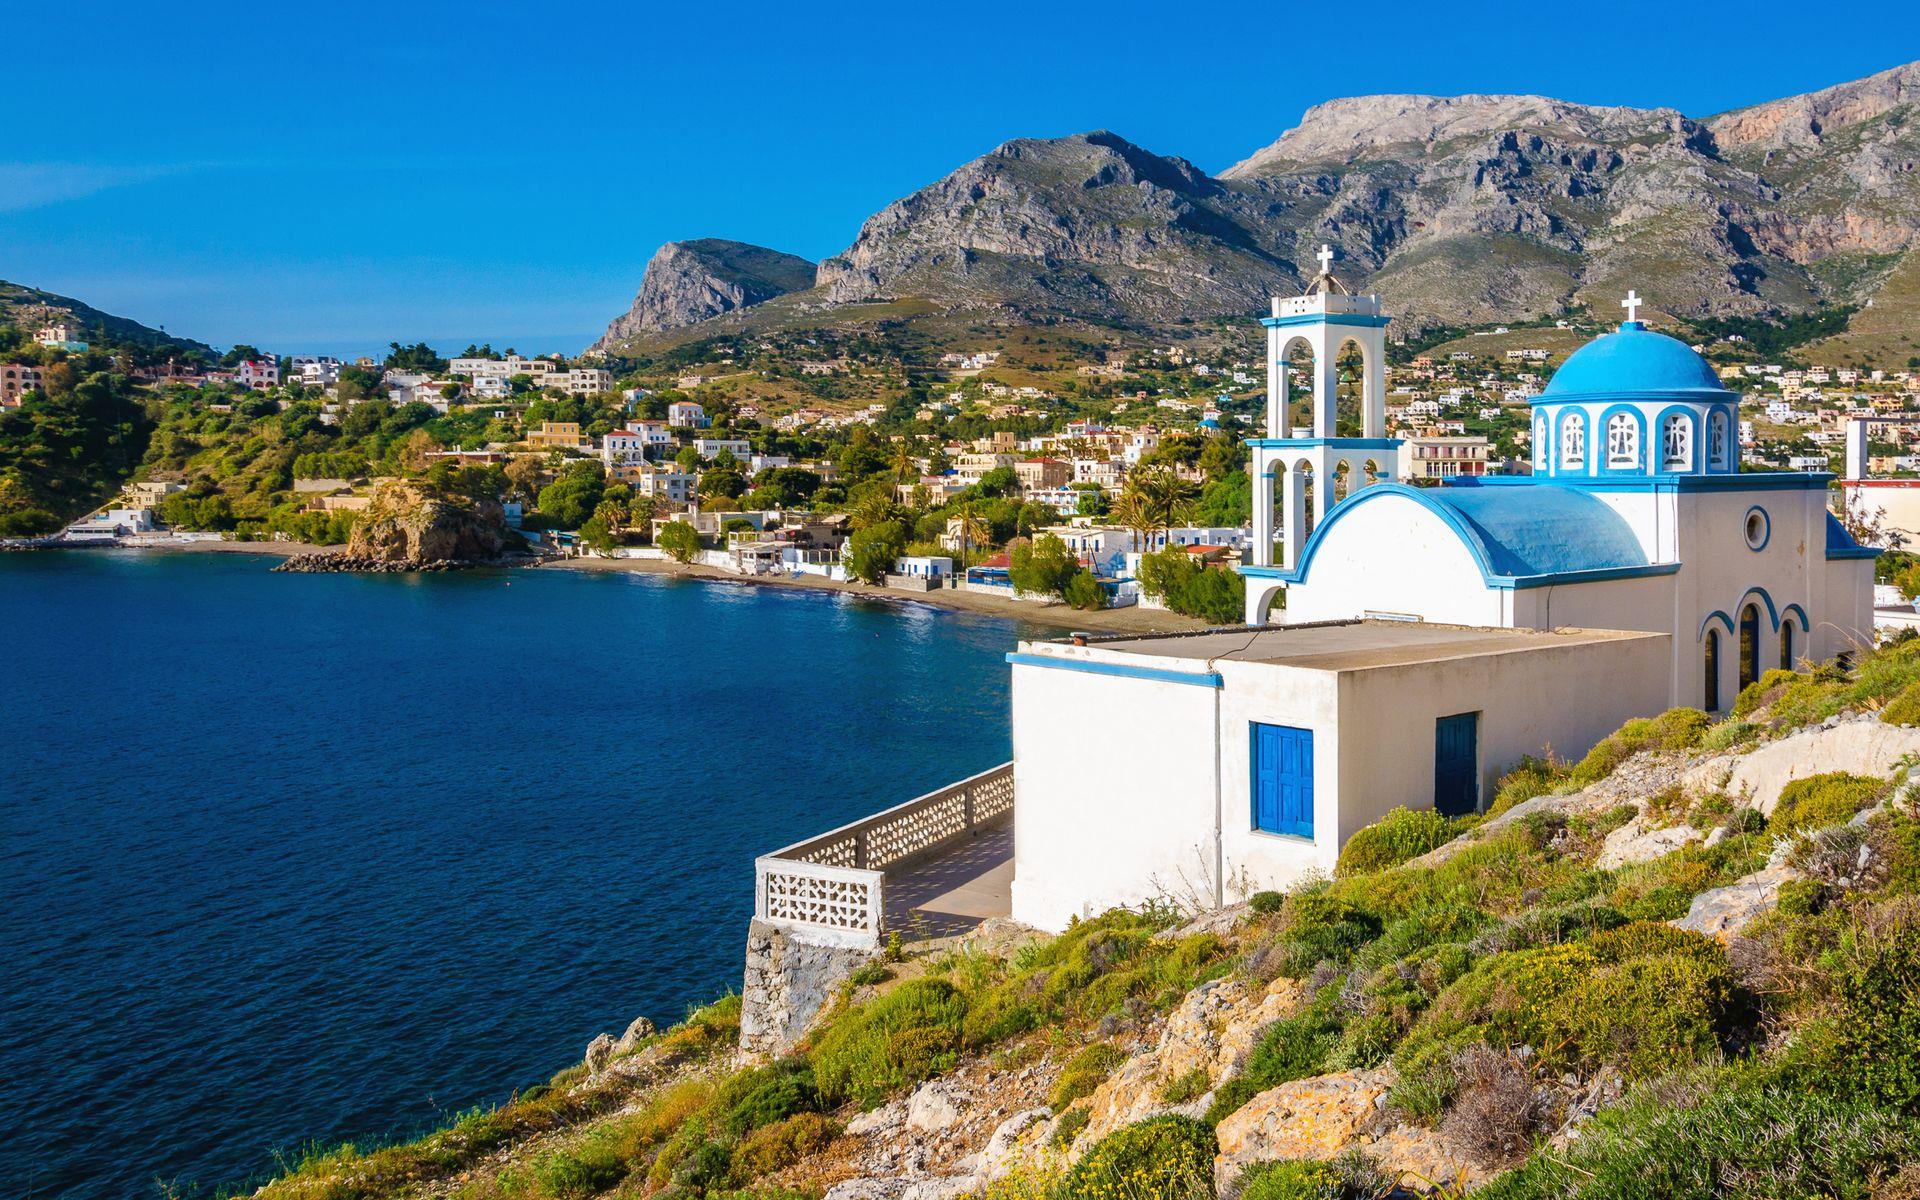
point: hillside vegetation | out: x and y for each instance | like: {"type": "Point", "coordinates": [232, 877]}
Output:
{"type": "Point", "coordinates": [1517, 1004]}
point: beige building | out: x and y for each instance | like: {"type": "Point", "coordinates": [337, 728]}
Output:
{"type": "Point", "coordinates": [16, 379]}
{"type": "Point", "coordinates": [558, 435]}
{"type": "Point", "coordinates": [1428, 455]}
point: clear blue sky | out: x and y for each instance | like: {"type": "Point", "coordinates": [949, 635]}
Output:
{"type": "Point", "coordinates": [335, 176]}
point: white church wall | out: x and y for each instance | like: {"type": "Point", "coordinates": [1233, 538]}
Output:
{"type": "Point", "coordinates": [1277, 695]}
{"type": "Point", "coordinates": [1394, 555]}
{"type": "Point", "coordinates": [1115, 787]}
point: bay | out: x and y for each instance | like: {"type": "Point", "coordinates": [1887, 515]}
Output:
{"type": "Point", "coordinates": [312, 858]}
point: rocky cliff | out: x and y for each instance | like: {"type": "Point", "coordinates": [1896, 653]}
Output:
{"type": "Point", "coordinates": [29, 308]}
{"type": "Point", "coordinates": [1459, 210]}
{"type": "Point", "coordinates": [688, 282]}
{"type": "Point", "coordinates": [406, 522]}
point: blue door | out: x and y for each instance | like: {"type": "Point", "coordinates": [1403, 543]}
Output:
{"type": "Point", "coordinates": [1456, 764]}
{"type": "Point", "coordinates": [1283, 780]}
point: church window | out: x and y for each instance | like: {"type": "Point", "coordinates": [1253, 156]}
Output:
{"type": "Point", "coordinates": [1786, 645]}
{"type": "Point", "coordinates": [1717, 448]}
{"type": "Point", "coordinates": [1623, 441]}
{"type": "Point", "coordinates": [1713, 671]}
{"type": "Point", "coordinates": [1573, 440]}
{"type": "Point", "coordinates": [1542, 445]}
{"type": "Point", "coordinates": [1676, 442]}
{"type": "Point", "coordinates": [1749, 646]}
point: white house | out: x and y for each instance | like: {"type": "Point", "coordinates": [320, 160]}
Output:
{"type": "Point", "coordinates": [1427, 637]}
{"type": "Point", "coordinates": [685, 414]}
{"type": "Point", "coordinates": [740, 448]}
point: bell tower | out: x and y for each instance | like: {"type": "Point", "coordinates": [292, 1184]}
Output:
{"type": "Point", "coordinates": [1296, 472]}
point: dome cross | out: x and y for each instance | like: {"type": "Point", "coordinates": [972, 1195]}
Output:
{"type": "Point", "coordinates": [1326, 259]}
{"type": "Point", "coordinates": [1632, 304]}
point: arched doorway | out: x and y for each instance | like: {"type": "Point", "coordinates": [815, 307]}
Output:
{"type": "Point", "coordinates": [1712, 703]}
{"type": "Point", "coordinates": [1749, 645]}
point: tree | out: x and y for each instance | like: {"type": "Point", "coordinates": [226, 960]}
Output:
{"type": "Point", "coordinates": [1083, 592]}
{"type": "Point", "coordinates": [680, 540]}
{"type": "Point", "coordinates": [1153, 500]}
{"type": "Point", "coordinates": [570, 500]}
{"type": "Point", "coordinates": [972, 528]}
{"type": "Point", "coordinates": [417, 357]}
{"type": "Point", "coordinates": [871, 552]}
{"type": "Point", "coordinates": [1001, 481]}
{"type": "Point", "coordinates": [1042, 567]}
{"type": "Point", "coordinates": [879, 508]}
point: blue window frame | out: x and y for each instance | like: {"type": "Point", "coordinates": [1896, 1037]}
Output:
{"type": "Point", "coordinates": [1283, 780]}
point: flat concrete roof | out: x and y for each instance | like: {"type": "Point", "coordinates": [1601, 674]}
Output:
{"type": "Point", "coordinates": [1354, 645]}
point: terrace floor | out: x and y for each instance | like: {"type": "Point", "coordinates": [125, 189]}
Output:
{"type": "Point", "coordinates": [954, 890]}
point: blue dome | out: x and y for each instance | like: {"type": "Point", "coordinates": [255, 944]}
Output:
{"type": "Point", "coordinates": [1634, 361]}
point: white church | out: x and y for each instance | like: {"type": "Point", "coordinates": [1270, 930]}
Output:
{"type": "Point", "coordinates": [1406, 645]}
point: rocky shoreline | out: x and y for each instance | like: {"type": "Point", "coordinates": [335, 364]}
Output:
{"type": "Point", "coordinates": [327, 564]}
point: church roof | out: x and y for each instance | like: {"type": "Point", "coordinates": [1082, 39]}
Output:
{"type": "Point", "coordinates": [1633, 361]}
{"type": "Point", "coordinates": [1520, 536]}
{"type": "Point", "coordinates": [1540, 529]}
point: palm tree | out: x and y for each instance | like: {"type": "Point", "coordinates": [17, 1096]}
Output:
{"type": "Point", "coordinates": [905, 464]}
{"type": "Point", "coordinates": [877, 509]}
{"type": "Point", "coordinates": [972, 527]}
{"type": "Point", "coordinates": [1153, 499]}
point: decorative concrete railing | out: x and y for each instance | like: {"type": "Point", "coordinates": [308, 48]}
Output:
{"type": "Point", "coordinates": [832, 888]}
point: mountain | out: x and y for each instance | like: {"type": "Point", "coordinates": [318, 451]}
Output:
{"type": "Point", "coordinates": [1459, 210]}
{"type": "Point", "coordinates": [30, 308]}
{"type": "Point", "coordinates": [688, 282]}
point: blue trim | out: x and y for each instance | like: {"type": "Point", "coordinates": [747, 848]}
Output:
{"type": "Point", "coordinates": [1694, 450]}
{"type": "Point", "coordinates": [1720, 481]}
{"type": "Point", "coordinates": [1434, 501]}
{"type": "Point", "coordinates": [1794, 610]}
{"type": "Point", "coordinates": [1253, 572]}
{"type": "Point", "coordinates": [1647, 396]}
{"type": "Point", "coordinates": [1604, 461]}
{"type": "Point", "coordinates": [1355, 320]}
{"type": "Point", "coordinates": [1210, 679]}
{"type": "Point", "coordinates": [1337, 443]}
{"type": "Point", "coordinates": [1773, 613]}
{"type": "Point", "coordinates": [1840, 543]}
{"type": "Point", "coordinates": [1766, 531]}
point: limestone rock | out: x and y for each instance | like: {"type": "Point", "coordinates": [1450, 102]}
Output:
{"type": "Point", "coordinates": [1018, 1140]}
{"type": "Point", "coordinates": [1863, 745]}
{"type": "Point", "coordinates": [934, 1106]}
{"type": "Point", "coordinates": [1323, 1117]}
{"type": "Point", "coordinates": [1637, 842]}
{"type": "Point", "coordinates": [599, 1053]}
{"type": "Point", "coordinates": [886, 1119]}
{"type": "Point", "coordinates": [638, 1032]}
{"type": "Point", "coordinates": [1724, 911]}
{"type": "Point", "coordinates": [1212, 1030]}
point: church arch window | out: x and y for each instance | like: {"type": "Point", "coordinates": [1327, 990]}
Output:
{"type": "Point", "coordinates": [1749, 646]}
{"type": "Point", "coordinates": [1573, 440]}
{"type": "Point", "coordinates": [1676, 442]}
{"type": "Point", "coordinates": [1786, 644]}
{"type": "Point", "coordinates": [1623, 441]}
{"type": "Point", "coordinates": [1712, 664]}
{"type": "Point", "coordinates": [1719, 440]}
{"type": "Point", "coordinates": [1542, 445]}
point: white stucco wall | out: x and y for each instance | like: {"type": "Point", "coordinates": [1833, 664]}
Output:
{"type": "Point", "coordinates": [1122, 783]}
{"type": "Point", "coordinates": [1393, 555]}
{"type": "Point", "coordinates": [1114, 786]}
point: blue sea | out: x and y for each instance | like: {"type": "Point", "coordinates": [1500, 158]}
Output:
{"type": "Point", "coordinates": [295, 859]}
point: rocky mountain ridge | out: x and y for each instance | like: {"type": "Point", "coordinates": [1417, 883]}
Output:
{"type": "Point", "coordinates": [1457, 210]}
{"type": "Point", "coordinates": [29, 308]}
{"type": "Point", "coordinates": [688, 282]}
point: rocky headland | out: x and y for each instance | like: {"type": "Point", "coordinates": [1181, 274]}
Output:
{"type": "Point", "coordinates": [411, 526]}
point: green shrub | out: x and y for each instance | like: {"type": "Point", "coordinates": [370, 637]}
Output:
{"type": "Point", "coordinates": [575, 1174]}
{"type": "Point", "coordinates": [1896, 842]}
{"type": "Point", "coordinates": [1084, 1072]}
{"type": "Point", "coordinates": [1728, 736]}
{"type": "Point", "coordinates": [1873, 1043]}
{"type": "Point", "coordinates": [1528, 778]}
{"type": "Point", "coordinates": [1675, 730]}
{"type": "Point", "coordinates": [764, 1096]}
{"type": "Point", "coordinates": [903, 1037]}
{"type": "Point", "coordinates": [1069, 1127]}
{"type": "Point", "coordinates": [1761, 691]}
{"type": "Point", "coordinates": [1266, 902]}
{"type": "Point", "coordinates": [1506, 999]}
{"type": "Point", "coordinates": [1644, 1015]}
{"type": "Point", "coordinates": [1638, 939]}
{"type": "Point", "coordinates": [1800, 898]}
{"type": "Point", "coordinates": [1191, 1086]}
{"type": "Point", "coordinates": [869, 975]}
{"type": "Point", "coordinates": [1290, 1180]}
{"type": "Point", "coordinates": [776, 1147]}
{"type": "Point", "coordinates": [1822, 800]}
{"type": "Point", "coordinates": [1904, 708]}
{"type": "Point", "coordinates": [1290, 1049]}
{"type": "Point", "coordinates": [1319, 925]}
{"type": "Point", "coordinates": [1745, 1143]}
{"type": "Point", "coordinates": [1163, 1158]}
{"type": "Point", "coordinates": [1393, 839]}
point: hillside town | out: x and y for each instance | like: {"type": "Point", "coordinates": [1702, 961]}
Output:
{"type": "Point", "coordinates": [1082, 482]}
